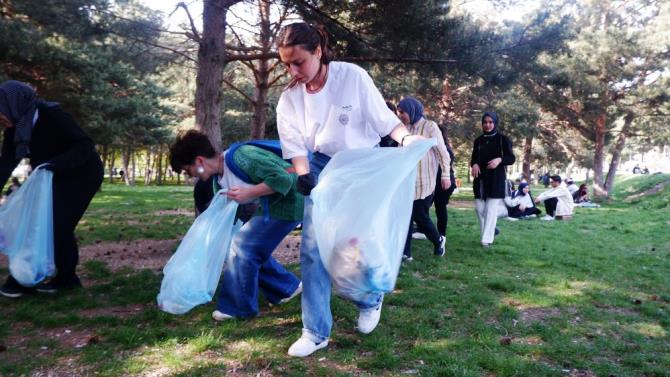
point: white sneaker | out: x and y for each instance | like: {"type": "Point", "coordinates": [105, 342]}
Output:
{"type": "Point", "coordinates": [221, 316]}
{"type": "Point", "coordinates": [547, 218]}
{"type": "Point", "coordinates": [531, 216]}
{"type": "Point", "coordinates": [368, 319]}
{"type": "Point", "coordinates": [305, 347]}
{"type": "Point", "coordinates": [419, 236]}
{"type": "Point", "coordinates": [295, 293]}
{"type": "Point", "coordinates": [509, 218]}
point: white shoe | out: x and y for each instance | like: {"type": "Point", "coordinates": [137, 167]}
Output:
{"type": "Point", "coordinates": [368, 319]}
{"type": "Point", "coordinates": [295, 293]}
{"type": "Point", "coordinates": [531, 216]}
{"type": "Point", "coordinates": [547, 218]}
{"type": "Point", "coordinates": [305, 347]}
{"type": "Point", "coordinates": [509, 218]}
{"type": "Point", "coordinates": [419, 236]}
{"type": "Point", "coordinates": [221, 316]}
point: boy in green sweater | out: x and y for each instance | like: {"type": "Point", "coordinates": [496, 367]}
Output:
{"type": "Point", "coordinates": [250, 265]}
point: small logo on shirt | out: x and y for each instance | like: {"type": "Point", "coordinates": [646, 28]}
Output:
{"type": "Point", "coordinates": [347, 107]}
{"type": "Point", "coordinates": [344, 119]}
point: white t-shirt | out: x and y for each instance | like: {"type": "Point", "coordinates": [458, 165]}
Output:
{"type": "Point", "coordinates": [347, 113]}
{"type": "Point", "coordinates": [228, 179]}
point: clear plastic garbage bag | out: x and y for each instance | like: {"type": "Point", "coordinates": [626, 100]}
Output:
{"type": "Point", "coordinates": [192, 273]}
{"type": "Point", "coordinates": [26, 229]}
{"type": "Point", "coordinates": [361, 214]}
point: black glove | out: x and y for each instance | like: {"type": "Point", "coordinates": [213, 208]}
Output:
{"type": "Point", "coordinates": [306, 183]}
{"type": "Point", "coordinates": [245, 212]}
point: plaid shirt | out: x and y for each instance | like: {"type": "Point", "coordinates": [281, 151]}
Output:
{"type": "Point", "coordinates": [436, 156]}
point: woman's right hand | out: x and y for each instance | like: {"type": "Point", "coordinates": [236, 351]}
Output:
{"type": "Point", "coordinates": [475, 170]}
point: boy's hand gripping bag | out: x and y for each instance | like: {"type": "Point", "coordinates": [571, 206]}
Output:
{"type": "Point", "coordinates": [361, 214]}
{"type": "Point", "coordinates": [26, 229]}
{"type": "Point", "coordinates": [192, 273]}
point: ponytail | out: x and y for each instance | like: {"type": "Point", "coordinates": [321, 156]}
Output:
{"type": "Point", "coordinates": [308, 37]}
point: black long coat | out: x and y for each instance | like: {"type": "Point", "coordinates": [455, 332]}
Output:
{"type": "Point", "coordinates": [491, 182]}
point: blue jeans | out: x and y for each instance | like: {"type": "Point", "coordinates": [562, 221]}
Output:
{"type": "Point", "coordinates": [250, 266]}
{"type": "Point", "coordinates": [317, 320]}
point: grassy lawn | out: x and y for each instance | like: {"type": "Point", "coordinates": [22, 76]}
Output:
{"type": "Point", "coordinates": [585, 297]}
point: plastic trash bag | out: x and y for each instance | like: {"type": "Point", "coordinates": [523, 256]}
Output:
{"type": "Point", "coordinates": [192, 273]}
{"type": "Point", "coordinates": [26, 229]}
{"type": "Point", "coordinates": [361, 214]}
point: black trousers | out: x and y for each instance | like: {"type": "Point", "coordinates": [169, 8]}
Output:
{"type": "Point", "coordinates": [424, 224]}
{"type": "Point", "coordinates": [550, 206]}
{"type": "Point", "coordinates": [441, 200]}
{"type": "Point", "coordinates": [72, 193]}
{"type": "Point", "coordinates": [517, 213]}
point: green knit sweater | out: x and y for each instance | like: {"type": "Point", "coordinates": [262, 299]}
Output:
{"type": "Point", "coordinates": [263, 166]}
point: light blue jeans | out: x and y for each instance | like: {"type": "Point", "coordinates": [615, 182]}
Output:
{"type": "Point", "coordinates": [250, 266]}
{"type": "Point", "coordinates": [317, 320]}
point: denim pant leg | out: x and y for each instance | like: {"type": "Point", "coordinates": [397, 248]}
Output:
{"type": "Point", "coordinates": [250, 249]}
{"type": "Point", "coordinates": [275, 281]}
{"type": "Point", "coordinates": [317, 318]}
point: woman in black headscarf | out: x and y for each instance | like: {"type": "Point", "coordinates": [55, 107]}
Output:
{"type": "Point", "coordinates": [50, 137]}
{"type": "Point", "coordinates": [491, 152]}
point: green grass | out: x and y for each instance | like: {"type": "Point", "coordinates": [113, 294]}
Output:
{"type": "Point", "coordinates": [589, 294]}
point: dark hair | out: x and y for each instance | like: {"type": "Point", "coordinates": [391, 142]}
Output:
{"type": "Point", "coordinates": [187, 147]}
{"type": "Point", "coordinates": [391, 106]}
{"type": "Point", "coordinates": [556, 178]}
{"type": "Point", "coordinates": [307, 37]}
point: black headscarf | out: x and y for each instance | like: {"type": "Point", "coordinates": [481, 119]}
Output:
{"type": "Point", "coordinates": [493, 116]}
{"type": "Point", "coordinates": [18, 102]}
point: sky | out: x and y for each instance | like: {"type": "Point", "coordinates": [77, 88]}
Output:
{"type": "Point", "coordinates": [478, 8]}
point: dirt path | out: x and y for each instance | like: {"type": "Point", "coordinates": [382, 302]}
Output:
{"type": "Point", "coordinates": [154, 254]}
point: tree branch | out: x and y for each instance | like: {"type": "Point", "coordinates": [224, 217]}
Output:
{"type": "Point", "coordinates": [196, 35]}
{"type": "Point", "coordinates": [235, 88]}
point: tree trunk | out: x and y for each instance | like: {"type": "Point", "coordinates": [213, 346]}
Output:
{"type": "Point", "coordinates": [147, 167]}
{"type": "Point", "coordinates": [211, 63]}
{"type": "Point", "coordinates": [616, 153]}
{"type": "Point", "coordinates": [527, 151]}
{"type": "Point", "coordinates": [133, 170]}
{"type": "Point", "coordinates": [104, 154]}
{"type": "Point", "coordinates": [112, 161]}
{"type": "Point", "coordinates": [599, 156]}
{"type": "Point", "coordinates": [262, 74]}
{"type": "Point", "coordinates": [125, 156]}
{"type": "Point", "coordinates": [159, 167]}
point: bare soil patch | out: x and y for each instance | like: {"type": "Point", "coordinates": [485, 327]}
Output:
{"type": "Point", "coordinates": [461, 204]}
{"type": "Point", "coordinates": [175, 212]}
{"type": "Point", "coordinates": [154, 254]}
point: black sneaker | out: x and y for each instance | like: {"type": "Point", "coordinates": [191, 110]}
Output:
{"type": "Point", "coordinates": [440, 249]}
{"type": "Point", "coordinates": [54, 285]}
{"type": "Point", "coordinates": [48, 286]}
{"type": "Point", "coordinates": [12, 289]}
{"type": "Point", "coordinates": [496, 232]}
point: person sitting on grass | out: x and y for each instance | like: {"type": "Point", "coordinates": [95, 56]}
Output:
{"type": "Point", "coordinates": [582, 194]}
{"type": "Point", "coordinates": [557, 200]}
{"type": "Point", "coordinates": [521, 205]}
{"type": "Point", "coordinates": [250, 265]}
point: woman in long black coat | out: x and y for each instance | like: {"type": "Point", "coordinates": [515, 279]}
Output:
{"type": "Point", "coordinates": [491, 152]}
{"type": "Point", "coordinates": [43, 132]}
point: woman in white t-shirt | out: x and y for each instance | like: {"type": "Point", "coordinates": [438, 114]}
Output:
{"type": "Point", "coordinates": [327, 107]}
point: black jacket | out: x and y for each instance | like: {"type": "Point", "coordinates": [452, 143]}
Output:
{"type": "Point", "coordinates": [56, 138]}
{"type": "Point", "coordinates": [491, 182]}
